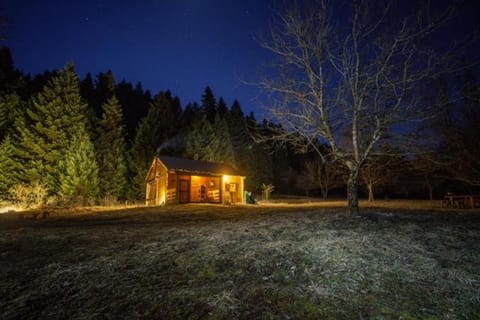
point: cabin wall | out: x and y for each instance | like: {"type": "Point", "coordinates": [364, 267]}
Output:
{"type": "Point", "coordinates": [162, 181]}
{"type": "Point", "coordinates": [156, 184]}
{"type": "Point", "coordinates": [151, 192]}
{"type": "Point", "coordinates": [205, 189]}
{"type": "Point", "coordinates": [172, 184]}
{"type": "Point", "coordinates": [233, 187]}
{"type": "Point", "coordinates": [152, 184]}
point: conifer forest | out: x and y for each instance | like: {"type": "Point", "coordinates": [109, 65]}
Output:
{"type": "Point", "coordinates": [90, 140]}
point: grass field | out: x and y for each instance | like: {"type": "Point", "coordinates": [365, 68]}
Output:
{"type": "Point", "coordinates": [257, 262]}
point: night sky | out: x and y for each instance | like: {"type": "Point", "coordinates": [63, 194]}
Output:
{"type": "Point", "coordinates": [178, 45]}
{"type": "Point", "coordinates": [181, 45]}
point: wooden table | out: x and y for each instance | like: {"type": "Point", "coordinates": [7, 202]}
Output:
{"type": "Point", "coordinates": [460, 201]}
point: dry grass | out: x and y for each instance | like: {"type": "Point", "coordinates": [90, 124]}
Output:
{"type": "Point", "coordinates": [255, 262]}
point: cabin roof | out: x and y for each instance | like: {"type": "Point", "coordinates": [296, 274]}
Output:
{"type": "Point", "coordinates": [197, 166]}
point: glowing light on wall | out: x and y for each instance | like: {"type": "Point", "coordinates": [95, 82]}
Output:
{"type": "Point", "coordinates": [163, 198]}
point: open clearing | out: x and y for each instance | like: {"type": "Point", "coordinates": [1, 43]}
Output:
{"type": "Point", "coordinates": [253, 262]}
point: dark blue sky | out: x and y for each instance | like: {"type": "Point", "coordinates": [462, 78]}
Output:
{"type": "Point", "coordinates": [181, 45]}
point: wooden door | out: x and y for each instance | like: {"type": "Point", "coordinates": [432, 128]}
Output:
{"type": "Point", "coordinates": [184, 191]}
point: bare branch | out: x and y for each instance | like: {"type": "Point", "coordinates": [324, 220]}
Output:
{"type": "Point", "coordinates": [351, 84]}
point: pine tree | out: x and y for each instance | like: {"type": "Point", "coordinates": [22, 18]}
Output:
{"type": "Point", "coordinates": [111, 150]}
{"type": "Point", "coordinates": [35, 85]}
{"type": "Point", "coordinates": [259, 167]}
{"type": "Point", "coordinates": [224, 152]}
{"type": "Point", "coordinates": [192, 111]}
{"type": "Point", "coordinates": [159, 125]}
{"type": "Point", "coordinates": [259, 162]}
{"type": "Point", "coordinates": [251, 158]}
{"type": "Point", "coordinates": [9, 105]}
{"type": "Point", "coordinates": [222, 108]}
{"type": "Point", "coordinates": [170, 113]}
{"type": "Point", "coordinates": [87, 89]}
{"type": "Point", "coordinates": [54, 117]}
{"type": "Point", "coordinates": [78, 171]}
{"type": "Point", "coordinates": [209, 105]}
{"type": "Point", "coordinates": [104, 88]}
{"type": "Point", "coordinates": [6, 69]}
{"type": "Point", "coordinates": [87, 92]}
{"type": "Point", "coordinates": [135, 103]}
{"type": "Point", "coordinates": [209, 142]}
{"type": "Point", "coordinates": [10, 79]}
{"type": "Point", "coordinates": [202, 142]}
{"type": "Point", "coordinates": [9, 167]}
{"type": "Point", "coordinates": [240, 139]}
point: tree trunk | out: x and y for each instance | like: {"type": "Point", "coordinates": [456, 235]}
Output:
{"type": "Point", "coordinates": [324, 193]}
{"type": "Point", "coordinates": [352, 192]}
{"type": "Point", "coordinates": [370, 193]}
{"type": "Point", "coordinates": [428, 183]}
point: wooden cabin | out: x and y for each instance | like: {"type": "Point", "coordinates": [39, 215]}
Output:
{"type": "Point", "coordinates": [177, 180]}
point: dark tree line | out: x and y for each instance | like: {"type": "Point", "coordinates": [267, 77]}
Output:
{"type": "Point", "coordinates": [91, 140]}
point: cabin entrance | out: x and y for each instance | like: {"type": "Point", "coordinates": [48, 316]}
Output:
{"type": "Point", "coordinates": [205, 189]}
{"type": "Point", "coordinates": [184, 191]}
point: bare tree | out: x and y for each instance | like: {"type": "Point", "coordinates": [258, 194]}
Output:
{"type": "Point", "coordinates": [330, 175]}
{"type": "Point", "coordinates": [307, 180]}
{"type": "Point", "coordinates": [431, 168]}
{"type": "Point", "coordinates": [348, 75]}
{"type": "Point", "coordinates": [380, 170]}
{"type": "Point", "coordinates": [320, 175]}
{"type": "Point", "coordinates": [463, 134]}
{"type": "Point", "coordinates": [453, 152]}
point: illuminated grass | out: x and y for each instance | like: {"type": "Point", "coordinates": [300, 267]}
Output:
{"type": "Point", "coordinates": [233, 262]}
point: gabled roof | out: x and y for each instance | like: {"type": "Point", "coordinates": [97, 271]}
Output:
{"type": "Point", "coordinates": [197, 166]}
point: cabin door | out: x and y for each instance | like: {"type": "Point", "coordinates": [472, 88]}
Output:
{"type": "Point", "coordinates": [184, 191]}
